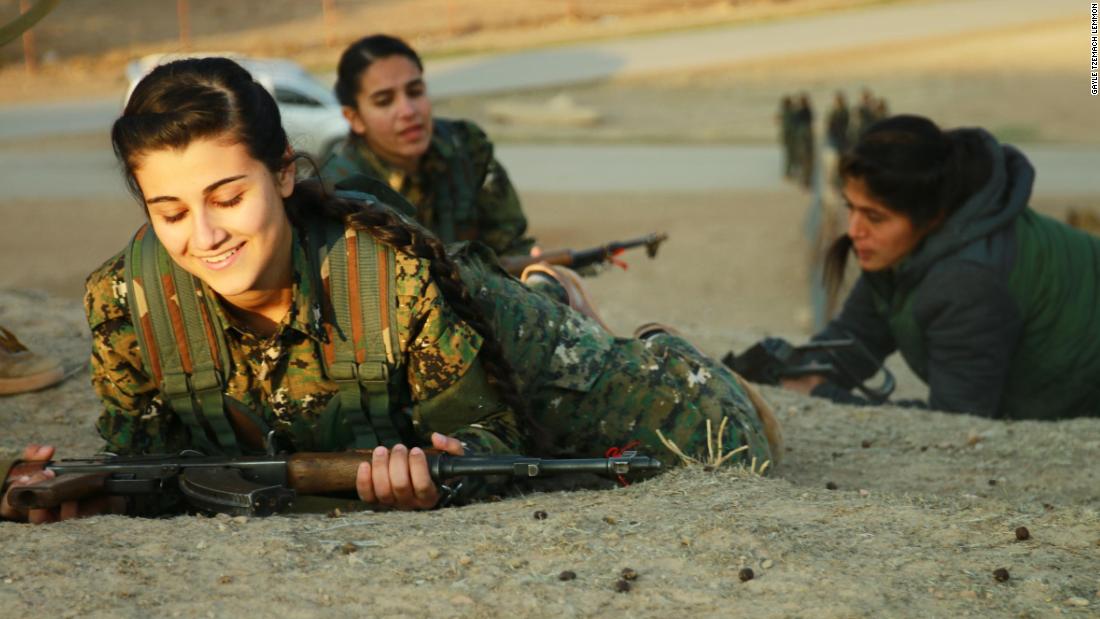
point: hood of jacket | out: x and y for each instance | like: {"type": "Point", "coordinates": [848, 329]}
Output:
{"type": "Point", "coordinates": [1004, 196]}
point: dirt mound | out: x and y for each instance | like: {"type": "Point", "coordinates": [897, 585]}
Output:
{"type": "Point", "coordinates": [874, 512]}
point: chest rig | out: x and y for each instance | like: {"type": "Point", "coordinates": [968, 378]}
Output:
{"type": "Point", "coordinates": [453, 191]}
{"type": "Point", "coordinates": [183, 343]}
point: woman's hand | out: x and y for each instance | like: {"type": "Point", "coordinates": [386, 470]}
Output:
{"type": "Point", "coordinates": [400, 478]}
{"type": "Point", "coordinates": [32, 453]}
{"type": "Point", "coordinates": [802, 384]}
{"type": "Point", "coordinates": [68, 509]}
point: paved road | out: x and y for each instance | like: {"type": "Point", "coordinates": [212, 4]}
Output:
{"type": "Point", "coordinates": [890, 23]}
{"type": "Point", "coordinates": [693, 49]}
{"type": "Point", "coordinates": [92, 173]}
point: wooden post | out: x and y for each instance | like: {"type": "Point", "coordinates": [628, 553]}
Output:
{"type": "Point", "coordinates": [452, 18]}
{"type": "Point", "coordinates": [183, 14]}
{"type": "Point", "coordinates": [328, 17]}
{"type": "Point", "coordinates": [30, 54]}
{"type": "Point", "coordinates": [572, 11]}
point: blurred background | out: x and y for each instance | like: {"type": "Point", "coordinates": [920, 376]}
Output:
{"type": "Point", "coordinates": [614, 118]}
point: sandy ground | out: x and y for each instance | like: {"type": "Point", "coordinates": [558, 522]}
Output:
{"type": "Point", "coordinates": [925, 505]}
{"type": "Point", "coordinates": [924, 509]}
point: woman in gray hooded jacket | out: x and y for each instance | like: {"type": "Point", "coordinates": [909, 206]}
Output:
{"type": "Point", "coordinates": [993, 305]}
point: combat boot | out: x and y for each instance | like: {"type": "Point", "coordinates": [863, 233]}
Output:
{"type": "Point", "coordinates": [22, 370]}
{"type": "Point", "coordinates": [563, 285]}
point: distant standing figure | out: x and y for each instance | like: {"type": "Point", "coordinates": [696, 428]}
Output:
{"type": "Point", "coordinates": [804, 140]}
{"type": "Point", "coordinates": [881, 109]}
{"type": "Point", "coordinates": [785, 119]}
{"type": "Point", "coordinates": [837, 136]}
{"type": "Point", "coordinates": [837, 133]}
{"type": "Point", "coordinates": [865, 115]}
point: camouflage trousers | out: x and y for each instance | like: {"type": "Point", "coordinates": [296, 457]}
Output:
{"type": "Point", "coordinates": [661, 383]}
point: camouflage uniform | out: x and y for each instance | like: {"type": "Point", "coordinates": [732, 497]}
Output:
{"type": "Point", "coordinates": [586, 389]}
{"type": "Point", "coordinates": [461, 192]}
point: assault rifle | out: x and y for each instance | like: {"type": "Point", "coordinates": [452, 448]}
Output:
{"type": "Point", "coordinates": [773, 359]}
{"type": "Point", "coordinates": [585, 257]}
{"type": "Point", "coordinates": [265, 485]}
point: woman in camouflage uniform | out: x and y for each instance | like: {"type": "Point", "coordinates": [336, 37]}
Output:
{"type": "Point", "coordinates": [445, 168]}
{"type": "Point", "coordinates": [477, 363]}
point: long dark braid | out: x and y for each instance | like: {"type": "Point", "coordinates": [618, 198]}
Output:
{"type": "Point", "coordinates": [388, 227]}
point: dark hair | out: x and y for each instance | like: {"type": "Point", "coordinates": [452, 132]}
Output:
{"type": "Point", "coordinates": [191, 99]}
{"type": "Point", "coordinates": [197, 98]}
{"type": "Point", "coordinates": [359, 56]}
{"type": "Point", "coordinates": [915, 169]}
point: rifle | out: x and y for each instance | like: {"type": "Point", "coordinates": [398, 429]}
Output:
{"type": "Point", "coordinates": [265, 485]}
{"type": "Point", "coordinates": [772, 359]}
{"type": "Point", "coordinates": [586, 257]}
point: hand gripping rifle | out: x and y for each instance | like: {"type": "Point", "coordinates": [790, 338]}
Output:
{"type": "Point", "coordinates": [586, 257]}
{"type": "Point", "coordinates": [265, 485]}
{"type": "Point", "coordinates": [773, 359]}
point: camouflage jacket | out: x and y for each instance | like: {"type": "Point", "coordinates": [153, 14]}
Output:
{"type": "Point", "coordinates": [461, 192]}
{"type": "Point", "coordinates": [281, 379]}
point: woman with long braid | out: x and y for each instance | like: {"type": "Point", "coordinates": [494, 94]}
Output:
{"type": "Point", "coordinates": [251, 271]}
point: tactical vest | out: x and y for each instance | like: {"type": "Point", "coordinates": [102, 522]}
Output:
{"type": "Point", "coordinates": [183, 343]}
{"type": "Point", "coordinates": [455, 211]}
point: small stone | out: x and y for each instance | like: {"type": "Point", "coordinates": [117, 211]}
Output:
{"type": "Point", "coordinates": [1000, 574]}
{"type": "Point", "coordinates": [461, 600]}
{"type": "Point", "coordinates": [348, 548]}
{"type": "Point", "coordinates": [240, 519]}
{"type": "Point", "coordinates": [767, 564]}
{"type": "Point", "coordinates": [201, 545]}
{"type": "Point", "coordinates": [567, 575]}
{"type": "Point", "coordinates": [628, 574]}
{"type": "Point", "coordinates": [622, 586]}
{"type": "Point", "coordinates": [516, 564]}
{"type": "Point", "coordinates": [1076, 601]}
{"type": "Point", "coordinates": [1022, 533]}
{"type": "Point", "coordinates": [433, 553]}
{"type": "Point", "coordinates": [335, 513]}
{"type": "Point", "coordinates": [745, 574]}
{"type": "Point", "coordinates": [465, 560]}
{"type": "Point", "coordinates": [540, 515]}
{"type": "Point", "coordinates": [225, 579]}
{"type": "Point", "coordinates": [830, 485]}
{"type": "Point", "coordinates": [610, 520]}
{"type": "Point", "coordinates": [685, 541]}
{"type": "Point", "coordinates": [864, 493]}
{"type": "Point", "coordinates": [865, 444]}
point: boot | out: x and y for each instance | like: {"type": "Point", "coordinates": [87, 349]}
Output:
{"type": "Point", "coordinates": [569, 283]}
{"type": "Point", "coordinates": [22, 370]}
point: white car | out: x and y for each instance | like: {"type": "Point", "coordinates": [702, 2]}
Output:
{"type": "Point", "coordinates": [310, 112]}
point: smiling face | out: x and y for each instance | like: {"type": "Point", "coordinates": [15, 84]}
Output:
{"type": "Point", "coordinates": [393, 113]}
{"type": "Point", "coordinates": [881, 237]}
{"type": "Point", "coordinates": [219, 214]}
